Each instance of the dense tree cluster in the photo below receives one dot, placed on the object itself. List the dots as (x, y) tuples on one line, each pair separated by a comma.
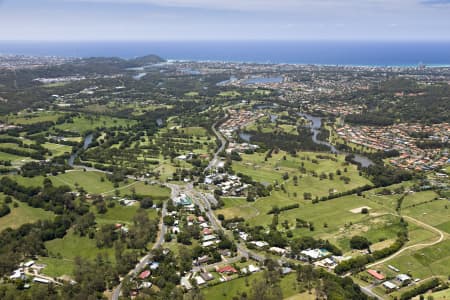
[(32, 169)]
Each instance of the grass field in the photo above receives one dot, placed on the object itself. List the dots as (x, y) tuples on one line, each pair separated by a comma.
[(423, 263), (436, 213), (15, 159), (57, 149), (122, 214), (274, 168), (417, 198), (93, 184), (154, 191), (198, 131), (83, 124), (231, 94), (191, 94), (56, 267), (237, 286), (340, 221), (32, 118), (23, 214), (90, 181), (445, 294), (63, 251), (28, 181)]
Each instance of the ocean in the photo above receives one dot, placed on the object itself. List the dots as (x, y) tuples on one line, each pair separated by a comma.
[(358, 53)]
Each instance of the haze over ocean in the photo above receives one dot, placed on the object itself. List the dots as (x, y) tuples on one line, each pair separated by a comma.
[(300, 52)]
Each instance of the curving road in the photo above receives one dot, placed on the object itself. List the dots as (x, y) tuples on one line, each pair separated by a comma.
[(440, 239), (223, 142)]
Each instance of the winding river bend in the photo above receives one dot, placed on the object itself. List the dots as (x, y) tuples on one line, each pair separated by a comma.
[(87, 142), (316, 124)]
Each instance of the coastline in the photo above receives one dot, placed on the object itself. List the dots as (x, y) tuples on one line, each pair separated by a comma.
[(319, 53)]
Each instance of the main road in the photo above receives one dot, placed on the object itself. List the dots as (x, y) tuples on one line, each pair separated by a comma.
[(201, 200), (223, 142)]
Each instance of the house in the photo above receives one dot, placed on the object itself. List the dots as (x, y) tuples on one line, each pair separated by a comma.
[(183, 200), (393, 268), (207, 276), (278, 250), (199, 280), (207, 231), (17, 274), (313, 254), (28, 264), (253, 269), (260, 244), (202, 260), (185, 283), (204, 225), (154, 265), (209, 243), (41, 280), (286, 270), (145, 285), (226, 270), (145, 274), (210, 237), (243, 235), (326, 263), (389, 286), (225, 252), (375, 274), (403, 279)]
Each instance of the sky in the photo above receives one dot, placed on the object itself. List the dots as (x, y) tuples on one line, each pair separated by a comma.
[(147, 20)]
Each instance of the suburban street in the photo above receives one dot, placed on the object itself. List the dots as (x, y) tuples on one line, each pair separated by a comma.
[(159, 241)]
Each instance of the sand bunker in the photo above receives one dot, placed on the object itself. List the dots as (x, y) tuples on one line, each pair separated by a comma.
[(359, 209)]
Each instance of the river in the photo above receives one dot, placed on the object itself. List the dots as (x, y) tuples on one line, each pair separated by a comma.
[(316, 124), (87, 142)]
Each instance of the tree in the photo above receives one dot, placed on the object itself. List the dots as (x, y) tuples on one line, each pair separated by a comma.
[(169, 220), (184, 258), (359, 242), (146, 202)]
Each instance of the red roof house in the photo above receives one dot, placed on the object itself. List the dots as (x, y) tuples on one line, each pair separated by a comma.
[(207, 231), (375, 274), (144, 274), (226, 270)]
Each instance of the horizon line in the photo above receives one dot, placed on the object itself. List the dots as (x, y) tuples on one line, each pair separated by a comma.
[(221, 40)]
